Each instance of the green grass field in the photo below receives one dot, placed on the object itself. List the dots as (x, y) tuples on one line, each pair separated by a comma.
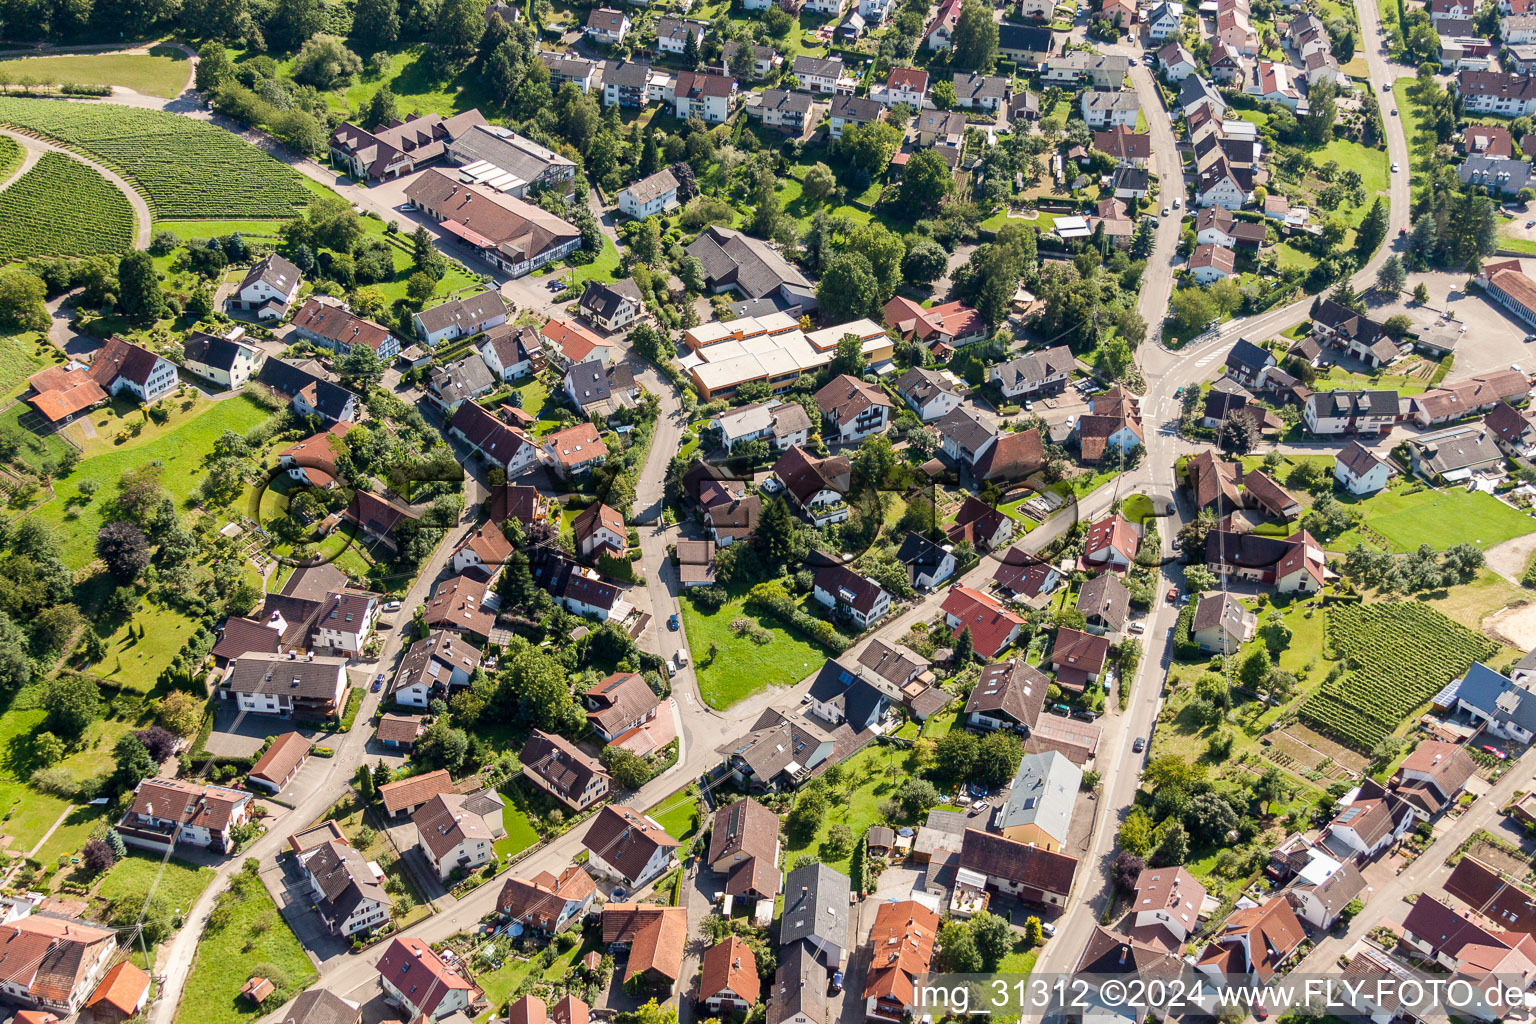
[(255, 940), (180, 452), (1374, 168), (159, 74), (678, 813), (740, 667), (604, 269), (136, 874), (1439, 518), (19, 358), (873, 775), (520, 832), (188, 230), (135, 662)]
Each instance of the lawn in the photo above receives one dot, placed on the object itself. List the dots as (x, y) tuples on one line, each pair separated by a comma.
[(180, 452), (188, 230), (678, 813), (741, 668), (499, 984), (136, 874), (520, 831), (1408, 515), (1372, 164), (604, 269), (254, 941), (135, 662), (1413, 121), (154, 74), (872, 776), (415, 87), (1288, 257), (78, 826), (1136, 508), (20, 358)]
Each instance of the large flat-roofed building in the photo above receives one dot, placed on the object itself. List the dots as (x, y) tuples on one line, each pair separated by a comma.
[(501, 159), (771, 348)]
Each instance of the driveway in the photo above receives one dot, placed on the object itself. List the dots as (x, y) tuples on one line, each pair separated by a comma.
[(237, 735)]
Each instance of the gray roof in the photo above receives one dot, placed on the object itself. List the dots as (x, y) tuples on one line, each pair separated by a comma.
[(979, 86), (1225, 610), (605, 299), (320, 1006), (1500, 174), (967, 429), (1044, 794), (860, 702), (1446, 451), (784, 99), (344, 876), (799, 986), (1106, 597), (509, 151), (590, 379), (732, 258), (275, 271), (462, 378), (433, 658), (1101, 99), (856, 108), (658, 184), (678, 28), (567, 66), (920, 385), (278, 673), (817, 66), (815, 906), (625, 74), (470, 312), (1498, 697), (1034, 368)]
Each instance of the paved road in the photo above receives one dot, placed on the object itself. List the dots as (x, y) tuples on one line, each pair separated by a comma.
[(1165, 371)]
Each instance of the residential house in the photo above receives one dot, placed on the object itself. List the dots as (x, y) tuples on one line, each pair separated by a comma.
[(799, 992), (399, 732), (1514, 430), (733, 260), (1129, 148), (930, 393), (1433, 776), (818, 488), (1162, 22), (941, 29), (852, 110), (1169, 898), (454, 837), (815, 915), (1294, 564), (1111, 543), (854, 409), (268, 289), (825, 75), (1038, 808), (1271, 82), (390, 151), (980, 92), (1256, 940), (506, 447), (555, 765), (464, 379), (655, 937), (1359, 471), (1215, 225), (952, 323), (568, 344), (624, 844), (512, 353), (1451, 402), (618, 704), (1221, 184), (1103, 108), (401, 799), (459, 318), (708, 97), (53, 964), (1078, 658), (310, 395), (728, 977), (1455, 943), (672, 34), (944, 129), (1111, 427), (784, 424), (226, 361), (1017, 869), (1035, 374), (993, 628), (287, 685), (1176, 62), (902, 86), (165, 812), (1350, 412), (744, 847), (793, 113), (1221, 623), (655, 193), (565, 67), (1494, 92), (546, 903), (1026, 44), (982, 526), (696, 562), (966, 436), (1504, 709), (1456, 455), (600, 530), (1246, 362), (902, 944), (763, 59), (124, 990), (417, 980), (1007, 695), (1371, 819), (347, 895), (838, 697), (1025, 576), (607, 26), (928, 563), (1105, 603), (850, 596), (625, 83), (575, 451)]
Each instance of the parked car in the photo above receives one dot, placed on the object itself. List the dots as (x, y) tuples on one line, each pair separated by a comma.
[(837, 982), (391, 606), (1173, 594), (1138, 627), (1489, 748), (1139, 745), (1084, 715), (1394, 167), (673, 623), (378, 682)]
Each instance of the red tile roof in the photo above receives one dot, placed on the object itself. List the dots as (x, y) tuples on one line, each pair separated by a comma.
[(990, 624), (730, 966)]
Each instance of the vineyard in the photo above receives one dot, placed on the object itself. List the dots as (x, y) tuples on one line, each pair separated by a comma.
[(62, 208), (186, 168), (1398, 656)]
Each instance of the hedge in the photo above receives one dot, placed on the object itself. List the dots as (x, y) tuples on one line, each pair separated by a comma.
[(774, 599), (1184, 645)]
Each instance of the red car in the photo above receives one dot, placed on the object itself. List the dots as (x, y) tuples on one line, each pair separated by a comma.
[(1495, 751), (1260, 1012), (1173, 594)]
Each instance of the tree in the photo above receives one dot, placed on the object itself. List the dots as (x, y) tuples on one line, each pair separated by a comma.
[(955, 756), (180, 712), (943, 96), (1172, 771), (1237, 435), (22, 300), (419, 287), (805, 817), (957, 949), (139, 295), (1373, 229), (1392, 275), (1034, 934), (97, 856), (1255, 668), (926, 180), (1210, 817), (160, 742), (819, 184), (361, 369), (776, 533), (293, 22), (1198, 579), (869, 147), (993, 938), (383, 110), (965, 647), (1173, 849), (848, 358), (1192, 308), (381, 773), (133, 761), (47, 749), (376, 25), (1128, 868), (691, 51), (925, 262), (1135, 833), (214, 67), (997, 758), (1421, 294), (325, 63), (124, 549), (628, 769), (917, 796), (848, 289), (974, 41), (459, 25), (1317, 123)]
